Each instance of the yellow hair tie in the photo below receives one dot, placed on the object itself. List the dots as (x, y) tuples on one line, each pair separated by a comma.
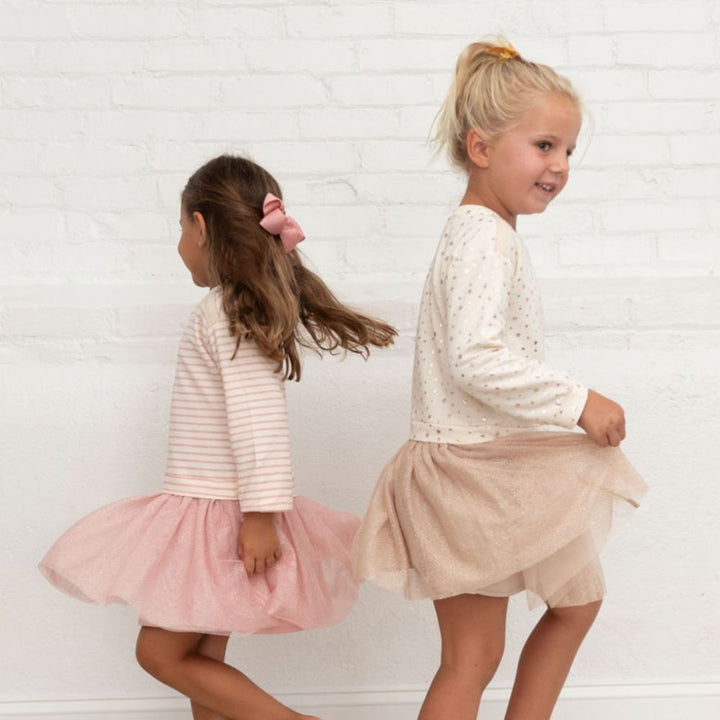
[(505, 52)]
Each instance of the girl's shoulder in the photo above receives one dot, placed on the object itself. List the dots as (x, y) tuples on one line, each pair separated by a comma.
[(209, 311), (210, 307), (477, 230), (208, 325)]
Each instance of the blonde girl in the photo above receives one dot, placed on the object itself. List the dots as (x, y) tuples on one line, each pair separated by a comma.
[(484, 501), (225, 546)]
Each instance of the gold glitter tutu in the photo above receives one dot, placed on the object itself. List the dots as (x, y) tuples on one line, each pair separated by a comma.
[(528, 511)]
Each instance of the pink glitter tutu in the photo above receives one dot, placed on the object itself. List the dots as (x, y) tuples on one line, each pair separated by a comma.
[(173, 558)]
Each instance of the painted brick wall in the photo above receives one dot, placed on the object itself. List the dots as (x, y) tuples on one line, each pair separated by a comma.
[(107, 106)]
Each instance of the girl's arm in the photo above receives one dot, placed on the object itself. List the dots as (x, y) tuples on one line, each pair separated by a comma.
[(480, 362), (257, 422), (258, 435)]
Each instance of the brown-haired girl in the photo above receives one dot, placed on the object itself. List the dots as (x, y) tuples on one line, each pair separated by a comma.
[(483, 502), (226, 547)]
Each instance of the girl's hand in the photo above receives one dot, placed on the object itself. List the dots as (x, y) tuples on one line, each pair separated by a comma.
[(258, 545), (603, 420)]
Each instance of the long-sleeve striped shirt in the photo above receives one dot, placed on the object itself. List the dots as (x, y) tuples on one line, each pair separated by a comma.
[(229, 435)]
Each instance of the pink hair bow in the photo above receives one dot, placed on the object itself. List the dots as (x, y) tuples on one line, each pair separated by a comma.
[(276, 222)]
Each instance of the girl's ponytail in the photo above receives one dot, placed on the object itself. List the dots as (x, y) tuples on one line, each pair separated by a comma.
[(332, 325)]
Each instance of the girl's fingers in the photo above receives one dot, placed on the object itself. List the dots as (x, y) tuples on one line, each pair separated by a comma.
[(258, 565), (255, 565), (273, 559), (599, 437)]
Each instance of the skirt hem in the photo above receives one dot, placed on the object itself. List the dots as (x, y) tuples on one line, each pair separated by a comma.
[(173, 559), (529, 511)]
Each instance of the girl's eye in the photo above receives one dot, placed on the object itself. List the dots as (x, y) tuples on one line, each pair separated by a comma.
[(544, 145)]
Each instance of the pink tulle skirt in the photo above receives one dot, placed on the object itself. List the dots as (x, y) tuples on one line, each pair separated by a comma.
[(525, 512), (174, 560)]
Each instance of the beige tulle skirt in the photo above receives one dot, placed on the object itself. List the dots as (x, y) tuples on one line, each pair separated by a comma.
[(529, 511)]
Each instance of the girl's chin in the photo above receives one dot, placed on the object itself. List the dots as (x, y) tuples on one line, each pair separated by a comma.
[(539, 204)]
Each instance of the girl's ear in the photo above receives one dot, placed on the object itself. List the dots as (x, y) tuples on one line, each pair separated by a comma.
[(477, 148), (201, 228)]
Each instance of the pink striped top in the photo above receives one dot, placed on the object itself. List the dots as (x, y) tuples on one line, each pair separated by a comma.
[(229, 435)]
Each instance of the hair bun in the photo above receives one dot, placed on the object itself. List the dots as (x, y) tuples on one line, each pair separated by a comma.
[(504, 52)]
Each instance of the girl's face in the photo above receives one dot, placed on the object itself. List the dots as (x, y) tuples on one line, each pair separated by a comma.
[(192, 247), (524, 168)]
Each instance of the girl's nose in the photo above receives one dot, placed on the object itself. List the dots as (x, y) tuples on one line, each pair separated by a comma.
[(559, 163)]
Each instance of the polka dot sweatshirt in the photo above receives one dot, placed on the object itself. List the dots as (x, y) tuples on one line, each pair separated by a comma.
[(479, 370)]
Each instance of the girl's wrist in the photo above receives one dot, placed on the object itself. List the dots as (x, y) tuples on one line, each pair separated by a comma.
[(260, 516)]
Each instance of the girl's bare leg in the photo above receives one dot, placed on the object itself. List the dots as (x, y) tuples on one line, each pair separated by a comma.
[(472, 630), (211, 646), (546, 659), (173, 658)]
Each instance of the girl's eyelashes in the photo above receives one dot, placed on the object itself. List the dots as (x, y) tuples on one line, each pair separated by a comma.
[(546, 146)]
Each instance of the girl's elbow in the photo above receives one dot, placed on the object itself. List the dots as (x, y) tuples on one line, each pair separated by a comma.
[(469, 372)]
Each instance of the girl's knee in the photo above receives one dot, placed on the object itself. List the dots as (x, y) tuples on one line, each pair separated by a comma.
[(153, 658), (147, 656), (476, 664), (492, 654), (491, 660)]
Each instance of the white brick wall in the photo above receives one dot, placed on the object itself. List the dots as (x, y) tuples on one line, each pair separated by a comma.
[(106, 106)]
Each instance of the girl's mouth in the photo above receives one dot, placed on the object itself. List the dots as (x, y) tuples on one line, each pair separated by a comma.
[(546, 188)]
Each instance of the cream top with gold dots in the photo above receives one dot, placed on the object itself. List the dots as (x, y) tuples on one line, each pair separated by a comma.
[(479, 370)]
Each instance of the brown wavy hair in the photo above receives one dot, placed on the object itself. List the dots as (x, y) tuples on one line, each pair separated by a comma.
[(269, 296)]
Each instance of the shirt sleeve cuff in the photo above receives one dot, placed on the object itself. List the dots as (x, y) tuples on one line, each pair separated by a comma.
[(574, 406), (268, 506)]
